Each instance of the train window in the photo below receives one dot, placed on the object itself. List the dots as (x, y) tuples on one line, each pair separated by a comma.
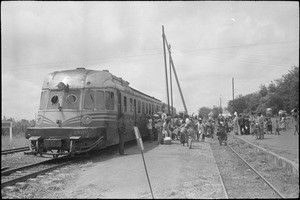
[(153, 109), (130, 102), (112, 100), (72, 100), (109, 100), (139, 106), (143, 107), (89, 99), (125, 104), (54, 99), (146, 108), (100, 102), (134, 105), (43, 101)]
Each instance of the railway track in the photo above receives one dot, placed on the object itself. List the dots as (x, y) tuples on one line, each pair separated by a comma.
[(21, 174), (16, 150), (239, 178)]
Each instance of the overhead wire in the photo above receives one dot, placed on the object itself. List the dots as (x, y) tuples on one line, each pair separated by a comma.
[(74, 62)]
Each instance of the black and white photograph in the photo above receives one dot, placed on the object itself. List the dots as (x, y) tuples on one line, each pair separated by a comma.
[(149, 99)]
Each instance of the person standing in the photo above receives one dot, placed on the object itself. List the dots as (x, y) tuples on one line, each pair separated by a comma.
[(122, 132), (199, 129), (149, 127), (158, 128), (164, 116), (296, 125), (183, 133), (166, 128), (260, 125), (252, 125), (241, 122), (247, 125), (277, 127), (269, 125), (235, 125)]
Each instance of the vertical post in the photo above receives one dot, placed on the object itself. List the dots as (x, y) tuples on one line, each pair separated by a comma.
[(10, 132), (147, 175), (163, 35), (233, 94), (179, 86), (140, 144), (169, 47)]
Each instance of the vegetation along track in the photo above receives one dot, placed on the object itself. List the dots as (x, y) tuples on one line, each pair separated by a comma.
[(243, 180), (21, 174), (16, 150)]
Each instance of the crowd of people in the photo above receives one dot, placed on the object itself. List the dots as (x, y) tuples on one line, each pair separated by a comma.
[(259, 125), (192, 128), (186, 129)]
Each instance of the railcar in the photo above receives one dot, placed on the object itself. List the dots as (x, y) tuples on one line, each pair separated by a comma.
[(80, 111)]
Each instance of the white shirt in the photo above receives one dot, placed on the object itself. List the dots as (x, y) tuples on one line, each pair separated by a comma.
[(149, 124), (163, 116), (187, 120)]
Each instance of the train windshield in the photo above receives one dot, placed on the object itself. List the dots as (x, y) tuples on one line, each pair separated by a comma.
[(43, 101), (64, 99)]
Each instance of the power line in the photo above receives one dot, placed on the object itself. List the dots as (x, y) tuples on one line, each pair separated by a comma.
[(74, 62)]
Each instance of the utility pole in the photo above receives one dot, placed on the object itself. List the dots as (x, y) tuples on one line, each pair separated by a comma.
[(171, 94), (166, 71), (233, 94), (173, 67), (179, 87)]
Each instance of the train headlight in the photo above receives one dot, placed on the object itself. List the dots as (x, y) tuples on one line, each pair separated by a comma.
[(86, 119)]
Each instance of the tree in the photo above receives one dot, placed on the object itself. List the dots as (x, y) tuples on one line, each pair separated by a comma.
[(263, 90), (216, 111), (203, 112), (271, 87)]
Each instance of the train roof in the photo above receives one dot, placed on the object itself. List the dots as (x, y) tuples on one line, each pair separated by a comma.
[(80, 78)]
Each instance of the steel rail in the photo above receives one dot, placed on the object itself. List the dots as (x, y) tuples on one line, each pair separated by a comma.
[(11, 151), (34, 174), (6, 173), (271, 186), (219, 173), (31, 175)]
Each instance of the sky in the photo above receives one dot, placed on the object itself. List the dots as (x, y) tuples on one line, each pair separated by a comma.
[(253, 42)]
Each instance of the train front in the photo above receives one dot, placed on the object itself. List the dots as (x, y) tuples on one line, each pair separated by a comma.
[(62, 127)]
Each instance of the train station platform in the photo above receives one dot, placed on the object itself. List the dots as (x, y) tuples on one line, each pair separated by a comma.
[(175, 171), (285, 145)]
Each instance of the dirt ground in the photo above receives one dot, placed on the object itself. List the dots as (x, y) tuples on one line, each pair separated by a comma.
[(174, 172), (125, 176), (286, 144)]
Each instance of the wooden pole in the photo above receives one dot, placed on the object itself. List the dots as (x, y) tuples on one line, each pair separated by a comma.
[(166, 70), (169, 48), (233, 94), (147, 175), (179, 86)]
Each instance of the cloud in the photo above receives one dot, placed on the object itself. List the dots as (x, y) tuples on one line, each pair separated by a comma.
[(211, 43), (19, 97)]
